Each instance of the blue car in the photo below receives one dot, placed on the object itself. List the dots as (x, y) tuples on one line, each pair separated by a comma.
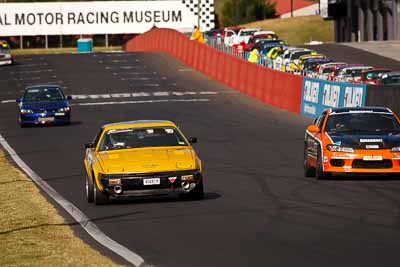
[(44, 104)]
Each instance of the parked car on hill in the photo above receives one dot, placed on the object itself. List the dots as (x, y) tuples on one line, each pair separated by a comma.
[(351, 74), (6, 57), (392, 78), (260, 37), (324, 70), (229, 35), (244, 35), (372, 76)]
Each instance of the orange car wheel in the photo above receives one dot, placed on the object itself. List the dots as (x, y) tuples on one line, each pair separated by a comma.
[(308, 170), (320, 170)]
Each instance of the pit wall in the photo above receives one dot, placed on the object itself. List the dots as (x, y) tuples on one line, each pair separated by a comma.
[(294, 93), (280, 89)]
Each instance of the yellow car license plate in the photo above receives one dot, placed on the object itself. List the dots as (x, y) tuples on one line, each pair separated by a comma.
[(151, 181)]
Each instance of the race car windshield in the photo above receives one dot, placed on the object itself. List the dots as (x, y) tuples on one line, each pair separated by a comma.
[(43, 94), (141, 137), (392, 80), (4, 50), (362, 122), (297, 55)]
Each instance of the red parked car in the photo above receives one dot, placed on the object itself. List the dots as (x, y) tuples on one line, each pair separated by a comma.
[(372, 76)]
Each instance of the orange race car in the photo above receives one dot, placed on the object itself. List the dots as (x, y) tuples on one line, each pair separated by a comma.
[(353, 140)]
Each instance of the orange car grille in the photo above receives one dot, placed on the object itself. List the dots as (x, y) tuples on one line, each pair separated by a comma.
[(367, 164)]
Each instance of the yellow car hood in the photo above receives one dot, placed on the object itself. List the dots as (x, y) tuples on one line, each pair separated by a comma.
[(144, 160)]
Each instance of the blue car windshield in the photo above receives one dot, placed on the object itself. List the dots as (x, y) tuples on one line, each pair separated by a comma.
[(43, 94)]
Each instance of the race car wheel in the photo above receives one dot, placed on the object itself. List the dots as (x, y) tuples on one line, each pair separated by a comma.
[(320, 174), (100, 198), (197, 192), (89, 190), (308, 170)]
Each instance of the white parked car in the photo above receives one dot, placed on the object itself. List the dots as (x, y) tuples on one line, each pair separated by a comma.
[(6, 57), (293, 57), (325, 69), (350, 74), (244, 35), (229, 35)]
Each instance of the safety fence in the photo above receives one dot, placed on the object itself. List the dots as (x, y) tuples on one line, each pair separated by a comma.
[(276, 88), (294, 93)]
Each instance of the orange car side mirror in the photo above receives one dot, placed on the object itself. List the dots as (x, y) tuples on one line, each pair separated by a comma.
[(313, 129)]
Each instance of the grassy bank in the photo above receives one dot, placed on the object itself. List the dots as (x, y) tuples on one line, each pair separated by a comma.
[(33, 51), (298, 30), (32, 233)]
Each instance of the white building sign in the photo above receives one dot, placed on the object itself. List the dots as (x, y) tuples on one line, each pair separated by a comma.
[(111, 17)]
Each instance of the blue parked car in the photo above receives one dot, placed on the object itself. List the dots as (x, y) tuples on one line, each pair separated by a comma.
[(44, 104)]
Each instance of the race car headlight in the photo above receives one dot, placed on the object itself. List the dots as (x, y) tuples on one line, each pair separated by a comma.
[(66, 109), (26, 111), (336, 148), (7, 56), (395, 149)]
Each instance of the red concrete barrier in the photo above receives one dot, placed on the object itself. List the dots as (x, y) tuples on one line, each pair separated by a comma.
[(272, 87)]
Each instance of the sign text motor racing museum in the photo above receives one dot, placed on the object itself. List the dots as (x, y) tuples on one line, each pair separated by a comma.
[(103, 17)]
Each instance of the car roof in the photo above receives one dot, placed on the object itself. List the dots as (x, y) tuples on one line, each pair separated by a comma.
[(397, 73), (357, 68), (42, 86), (264, 32), (139, 124), (360, 110), (332, 64)]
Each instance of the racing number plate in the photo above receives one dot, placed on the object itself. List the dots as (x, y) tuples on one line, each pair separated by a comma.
[(151, 181), (46, 119), (373, 158)]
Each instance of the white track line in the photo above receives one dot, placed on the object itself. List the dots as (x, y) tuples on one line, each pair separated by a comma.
[(129, 95), (77, 214), (156, 101)]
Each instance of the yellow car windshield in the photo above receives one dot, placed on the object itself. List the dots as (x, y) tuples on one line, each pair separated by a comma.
[(141, 137)]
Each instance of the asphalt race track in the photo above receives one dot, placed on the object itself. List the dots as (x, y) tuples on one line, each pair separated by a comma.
[(259, 210)]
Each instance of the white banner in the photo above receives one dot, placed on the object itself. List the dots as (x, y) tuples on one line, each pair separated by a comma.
[(111, 17)]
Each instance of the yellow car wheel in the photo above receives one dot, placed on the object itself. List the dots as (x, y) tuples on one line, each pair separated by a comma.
[(197, 192), (89, 190), (100, 198)]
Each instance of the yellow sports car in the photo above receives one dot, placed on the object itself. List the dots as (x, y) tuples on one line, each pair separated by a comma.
[(141, 158)]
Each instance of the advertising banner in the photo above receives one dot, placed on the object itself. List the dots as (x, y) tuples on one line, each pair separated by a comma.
[(318, 95), (101, 17)]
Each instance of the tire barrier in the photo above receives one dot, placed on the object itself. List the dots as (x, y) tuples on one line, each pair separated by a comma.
[(280, 89)]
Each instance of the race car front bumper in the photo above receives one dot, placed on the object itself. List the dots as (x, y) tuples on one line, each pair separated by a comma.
[(45, 118), (150, 184), (362, 161), (6, 62)]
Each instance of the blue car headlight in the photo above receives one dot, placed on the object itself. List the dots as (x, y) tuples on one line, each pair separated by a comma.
[(66, 109), (26, 111), (336, 148)]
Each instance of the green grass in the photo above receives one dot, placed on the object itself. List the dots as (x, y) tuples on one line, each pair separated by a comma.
[(298, 30), (32, 232), (32, 51)]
